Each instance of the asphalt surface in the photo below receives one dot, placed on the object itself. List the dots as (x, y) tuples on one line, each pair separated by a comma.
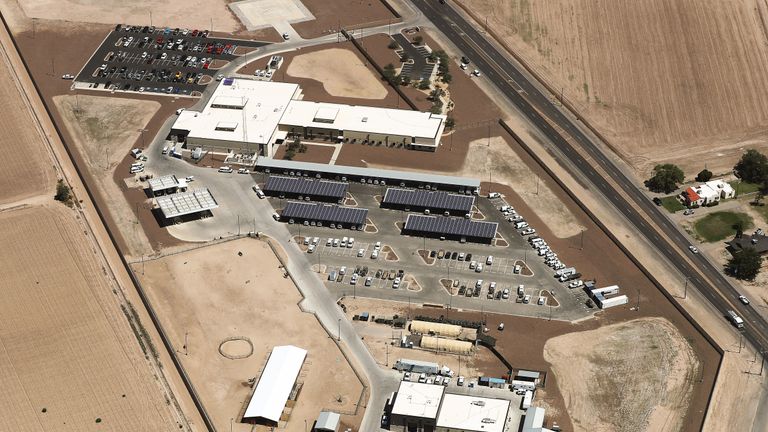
[(149, 61), (511, 81)]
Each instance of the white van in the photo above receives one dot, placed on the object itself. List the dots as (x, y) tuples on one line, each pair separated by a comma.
[(521, 224)]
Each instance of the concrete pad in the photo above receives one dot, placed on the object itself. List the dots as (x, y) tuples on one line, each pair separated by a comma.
[(257, 14)]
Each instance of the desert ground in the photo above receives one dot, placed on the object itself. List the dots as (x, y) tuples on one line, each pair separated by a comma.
[(26, 169), (662, 80), (345, 76), (329, 15), (497, 157), (104, 130), (632, 376), (192, 14), (209, 294), (69, 356)]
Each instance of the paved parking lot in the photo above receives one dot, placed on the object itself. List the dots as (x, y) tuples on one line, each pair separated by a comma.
[(569, 304), (157, 60)]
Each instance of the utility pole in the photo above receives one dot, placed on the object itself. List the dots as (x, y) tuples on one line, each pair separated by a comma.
[(186, 346), (740, 336), (386, 346), (339, 333), (150, 17), (762, 362), (582, 239), (238, 225), (685, 292)]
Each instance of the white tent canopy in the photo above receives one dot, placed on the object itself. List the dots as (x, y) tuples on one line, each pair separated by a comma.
[(276, 383)]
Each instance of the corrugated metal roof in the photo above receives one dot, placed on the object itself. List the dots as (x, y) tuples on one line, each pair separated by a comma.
[(367, 172), (181, 204), (303, 186), (276, 383), (437, 200), (163, 183), (450, 226), (325, 212)]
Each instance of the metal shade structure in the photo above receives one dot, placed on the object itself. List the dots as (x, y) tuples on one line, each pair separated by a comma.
[(435, 201), (450, 227), (182, 204), (322, 190), (324, 213)]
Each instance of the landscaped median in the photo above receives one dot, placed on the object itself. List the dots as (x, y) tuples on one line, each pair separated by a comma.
[(721, 225)]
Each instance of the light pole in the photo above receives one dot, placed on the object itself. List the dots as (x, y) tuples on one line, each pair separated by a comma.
[(339, 333), (685, 288), (143, 143)]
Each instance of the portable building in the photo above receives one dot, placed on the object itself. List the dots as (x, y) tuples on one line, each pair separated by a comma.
[(446, 345), (417, 366), (439, 329)]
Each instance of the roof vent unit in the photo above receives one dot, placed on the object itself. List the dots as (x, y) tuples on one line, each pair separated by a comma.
[(365, 119), (478, 403)]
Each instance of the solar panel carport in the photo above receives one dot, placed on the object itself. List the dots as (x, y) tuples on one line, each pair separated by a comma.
[(324, 214), (450, 227), (434, 201), (301, 188)]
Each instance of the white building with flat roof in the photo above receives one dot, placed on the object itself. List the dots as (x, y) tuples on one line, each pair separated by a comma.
[(250, 116), (464, 413), (241, 115), (416, 405)]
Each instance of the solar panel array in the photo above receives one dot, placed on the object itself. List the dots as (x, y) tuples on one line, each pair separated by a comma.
[(181, 204), (450, 226), (163, 183), (302, 186), (437, 200), (330, 213)]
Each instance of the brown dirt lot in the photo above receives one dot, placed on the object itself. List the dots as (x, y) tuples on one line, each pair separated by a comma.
[(189, 13), (248, 300), (349, 14), (314, 153), (632, 376), (69, 355), (345, 76), (26, 169), (663, 80)]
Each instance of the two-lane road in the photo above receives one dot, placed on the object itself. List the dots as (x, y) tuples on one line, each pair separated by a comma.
[(535, 105)]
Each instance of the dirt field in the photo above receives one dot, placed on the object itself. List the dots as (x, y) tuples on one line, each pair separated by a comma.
[(661, 79), (26, 168), (329, 15), (190, 14), (632, 376), (509, 169), (69, 356), (315, 153), (104, 130), (251, 301), (345, 76)]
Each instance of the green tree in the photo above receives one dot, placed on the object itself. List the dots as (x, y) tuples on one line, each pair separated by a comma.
[(404, 79), (389, 73), (665, 178), (704, 176), (447, 78), (745, 264), (424, 84), (63, 193), (405, 57), (393, 45), (450, 122), (418, 39), (752, 167)]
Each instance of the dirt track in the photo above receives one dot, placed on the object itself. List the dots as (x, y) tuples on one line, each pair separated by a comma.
[(662, 79)]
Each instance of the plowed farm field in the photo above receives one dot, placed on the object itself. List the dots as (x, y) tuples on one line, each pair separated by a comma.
[(69, 360), (662, 80), (26, 169)]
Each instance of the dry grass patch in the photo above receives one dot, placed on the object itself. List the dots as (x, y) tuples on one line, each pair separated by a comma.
[(632, 376)]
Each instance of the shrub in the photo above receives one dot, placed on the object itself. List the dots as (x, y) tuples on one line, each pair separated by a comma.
[(393, 45), (63, 192), (704, 176)]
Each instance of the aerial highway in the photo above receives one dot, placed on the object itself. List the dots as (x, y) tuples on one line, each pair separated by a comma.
[(535, 105)]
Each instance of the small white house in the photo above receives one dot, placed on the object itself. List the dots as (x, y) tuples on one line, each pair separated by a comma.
[(707, 193)]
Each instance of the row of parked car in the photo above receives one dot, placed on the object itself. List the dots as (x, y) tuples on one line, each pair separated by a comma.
[(562, 273)]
